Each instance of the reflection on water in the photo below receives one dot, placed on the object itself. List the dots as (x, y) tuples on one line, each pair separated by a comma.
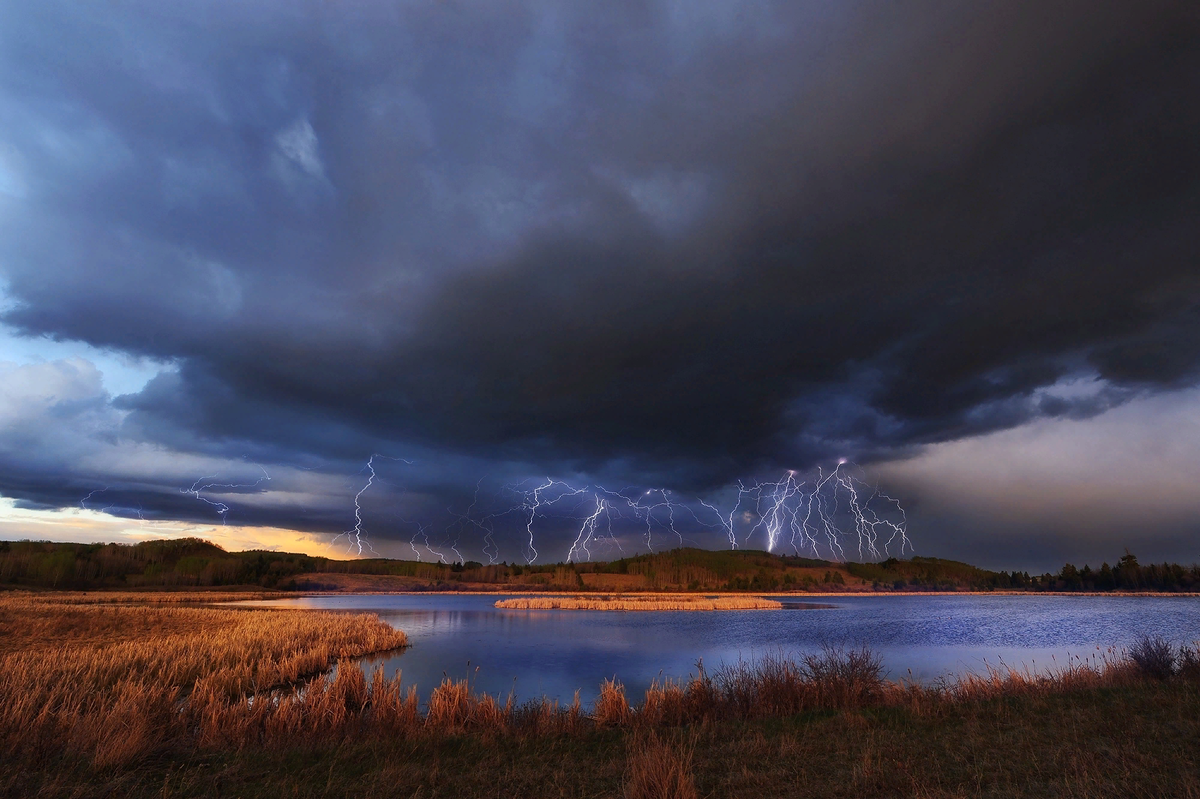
[(555, 652)]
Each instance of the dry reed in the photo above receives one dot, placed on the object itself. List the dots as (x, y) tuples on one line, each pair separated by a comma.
[(659, 769), (677, 602), (612, 708), (108, 680), (141, 597)]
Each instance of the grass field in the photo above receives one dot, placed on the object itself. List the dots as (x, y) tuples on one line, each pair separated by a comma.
[(116, 698)]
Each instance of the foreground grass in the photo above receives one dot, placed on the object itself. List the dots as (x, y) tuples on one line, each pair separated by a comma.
[(1137, 740), (639, 602), (115, 682)]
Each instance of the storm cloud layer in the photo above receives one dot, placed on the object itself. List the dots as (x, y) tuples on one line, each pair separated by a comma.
[(666, 244)]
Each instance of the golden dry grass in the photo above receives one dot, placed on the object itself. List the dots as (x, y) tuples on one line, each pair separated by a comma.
[(659, 768), (193, 597), (652, 602), (110, 680)]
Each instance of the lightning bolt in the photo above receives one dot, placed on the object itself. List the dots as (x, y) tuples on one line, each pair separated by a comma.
[(778, 512), (356, 538), (646, 512), (785, 507), (197, 488), (83, 502), (818, 514), (586, 531), (535, 505), (654, 508), (490, 550), (422, 532)]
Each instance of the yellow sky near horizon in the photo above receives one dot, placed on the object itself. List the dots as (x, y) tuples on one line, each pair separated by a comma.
[(91, 526)]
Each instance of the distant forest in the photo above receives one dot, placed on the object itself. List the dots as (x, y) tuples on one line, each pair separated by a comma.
[(194, 563)]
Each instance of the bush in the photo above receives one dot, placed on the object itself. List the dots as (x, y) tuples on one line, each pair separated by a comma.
[(1154, 656), (845, 678), (1189, 663)]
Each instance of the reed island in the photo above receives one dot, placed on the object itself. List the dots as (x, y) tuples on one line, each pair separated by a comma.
[(642, 602)]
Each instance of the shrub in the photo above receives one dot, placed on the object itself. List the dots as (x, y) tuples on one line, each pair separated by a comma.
[(1189, 663), (845, 678), (1154, 656)]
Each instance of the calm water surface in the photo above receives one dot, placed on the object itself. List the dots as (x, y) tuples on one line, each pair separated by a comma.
[(554, 652)]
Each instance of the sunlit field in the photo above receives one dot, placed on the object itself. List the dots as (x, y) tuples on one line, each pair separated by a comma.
[(117, 680)]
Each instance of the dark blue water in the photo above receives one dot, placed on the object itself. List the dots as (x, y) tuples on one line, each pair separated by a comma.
[(555, 652)]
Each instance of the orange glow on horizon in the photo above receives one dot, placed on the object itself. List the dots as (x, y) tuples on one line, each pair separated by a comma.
[(89, 526)]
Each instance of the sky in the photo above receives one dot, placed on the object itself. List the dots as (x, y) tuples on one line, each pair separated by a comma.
[(529, 281)]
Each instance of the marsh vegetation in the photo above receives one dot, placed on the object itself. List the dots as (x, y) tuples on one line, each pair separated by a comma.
[(638, 602), (112, 681)]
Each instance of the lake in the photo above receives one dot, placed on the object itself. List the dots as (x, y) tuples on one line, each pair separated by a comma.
[(555, 652)]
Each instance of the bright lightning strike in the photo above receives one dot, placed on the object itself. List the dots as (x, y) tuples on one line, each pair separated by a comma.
[(823, 514), (83, 502), (356, 538), (422, 532), (814, 515), (596, 508), (201, 485)]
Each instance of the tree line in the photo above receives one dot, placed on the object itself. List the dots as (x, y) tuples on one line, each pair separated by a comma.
[(191, 562)]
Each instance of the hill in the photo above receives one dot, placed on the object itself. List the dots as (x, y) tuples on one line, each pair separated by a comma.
[(192, 563)]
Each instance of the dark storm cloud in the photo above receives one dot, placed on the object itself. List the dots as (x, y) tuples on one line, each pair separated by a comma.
[(680, 242)]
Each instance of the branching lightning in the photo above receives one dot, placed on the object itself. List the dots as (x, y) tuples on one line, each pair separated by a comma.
[(484, 525), (587, 531), (816, 515), (83, 502), (422, 532), (356, 538), (596, 509), (201, 485), (822, 514)]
